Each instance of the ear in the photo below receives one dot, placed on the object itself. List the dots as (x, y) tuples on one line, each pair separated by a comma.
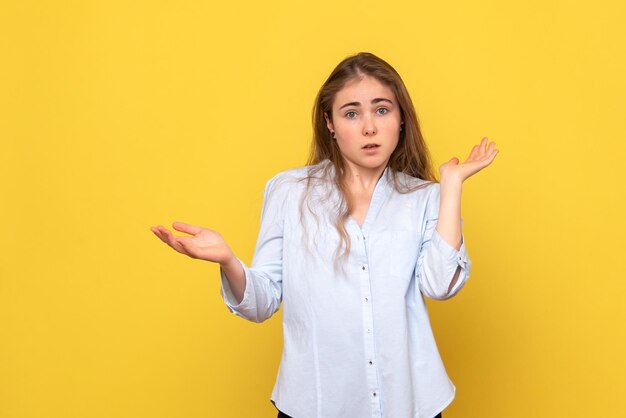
[(329, 123)]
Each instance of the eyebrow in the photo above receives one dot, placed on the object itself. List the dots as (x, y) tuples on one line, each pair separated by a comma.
[(374, 101)]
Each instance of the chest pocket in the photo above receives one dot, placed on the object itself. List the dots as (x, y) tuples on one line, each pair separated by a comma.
[(312, 239), (394, 252)]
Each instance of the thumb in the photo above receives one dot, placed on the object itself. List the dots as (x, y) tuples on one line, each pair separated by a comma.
[(453, 161), (189, 229)]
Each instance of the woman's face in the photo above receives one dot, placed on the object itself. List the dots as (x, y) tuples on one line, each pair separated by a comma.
[(366, 120)]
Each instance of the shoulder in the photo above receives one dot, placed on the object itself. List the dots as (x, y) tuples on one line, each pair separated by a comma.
[(286, 181), (289, 176), (295, 178), (406, 184), (288, 184), (285, 189)]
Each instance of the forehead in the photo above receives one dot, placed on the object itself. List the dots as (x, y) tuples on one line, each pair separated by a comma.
[(363, 90)]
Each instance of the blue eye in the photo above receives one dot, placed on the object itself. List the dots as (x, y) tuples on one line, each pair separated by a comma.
[(351, 115), (382, 110)]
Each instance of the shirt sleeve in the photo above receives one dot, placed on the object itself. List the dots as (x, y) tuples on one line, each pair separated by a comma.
[(263, 292), (438, 261)]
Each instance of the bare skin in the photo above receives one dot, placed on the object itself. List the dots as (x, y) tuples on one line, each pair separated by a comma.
[(206, 244), (452, 175)]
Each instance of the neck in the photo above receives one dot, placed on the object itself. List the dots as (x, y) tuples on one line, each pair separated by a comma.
[(359, 179)]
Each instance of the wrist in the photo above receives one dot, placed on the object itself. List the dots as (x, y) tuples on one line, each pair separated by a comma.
[(453, 183), (229, 262)]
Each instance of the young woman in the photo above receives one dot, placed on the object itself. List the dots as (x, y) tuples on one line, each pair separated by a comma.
[(351, 244)]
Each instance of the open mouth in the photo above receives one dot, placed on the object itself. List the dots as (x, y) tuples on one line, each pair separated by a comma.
[(370, 146)]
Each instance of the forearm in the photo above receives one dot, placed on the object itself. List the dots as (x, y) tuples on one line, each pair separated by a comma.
[(453, 175), (449, 221), (233, 270)]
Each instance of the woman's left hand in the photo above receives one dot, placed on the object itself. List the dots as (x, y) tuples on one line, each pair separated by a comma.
[(481, 156)]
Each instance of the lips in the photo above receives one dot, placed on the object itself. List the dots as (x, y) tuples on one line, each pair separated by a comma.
[(370, 146)]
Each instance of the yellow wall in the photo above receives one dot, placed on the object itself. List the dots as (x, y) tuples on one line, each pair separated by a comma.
[(117, 115)]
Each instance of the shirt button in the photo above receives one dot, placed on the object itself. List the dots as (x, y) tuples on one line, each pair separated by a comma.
[(366, 299), (374, 394), (371, 362), (363, 268)]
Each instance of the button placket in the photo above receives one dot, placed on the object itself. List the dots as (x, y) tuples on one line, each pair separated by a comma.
[(368, 321), (360, 268)]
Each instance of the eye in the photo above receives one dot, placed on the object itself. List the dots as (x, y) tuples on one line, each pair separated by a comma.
[(382, 110), (351, 114)]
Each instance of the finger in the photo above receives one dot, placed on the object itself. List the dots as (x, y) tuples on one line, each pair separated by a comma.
[(187, 246), (161, 233), (492, 156), (488, 159), (483, 147), (158, 233), (167, 240), (473, 154), (187, 228), (171, 240), (490, 151)]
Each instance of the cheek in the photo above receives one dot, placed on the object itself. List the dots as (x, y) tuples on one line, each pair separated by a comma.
[(346, 134), (394, 143), (344, 146), (345, 129)]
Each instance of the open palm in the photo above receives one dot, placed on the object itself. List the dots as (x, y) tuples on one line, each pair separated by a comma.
[(203, 243), (480, 157)]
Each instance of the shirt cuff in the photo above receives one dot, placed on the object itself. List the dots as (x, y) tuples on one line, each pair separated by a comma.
[(229, 297), (450, 253)]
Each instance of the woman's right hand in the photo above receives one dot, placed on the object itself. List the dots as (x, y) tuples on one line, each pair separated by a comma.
[(203, 243)]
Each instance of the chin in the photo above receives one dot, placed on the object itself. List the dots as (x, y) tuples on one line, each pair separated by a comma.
[(375, 164), (369, 163)]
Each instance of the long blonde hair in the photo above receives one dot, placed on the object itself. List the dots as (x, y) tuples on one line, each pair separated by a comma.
[(411, 155)]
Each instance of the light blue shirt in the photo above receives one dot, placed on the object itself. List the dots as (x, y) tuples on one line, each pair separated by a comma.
[(357, 338)]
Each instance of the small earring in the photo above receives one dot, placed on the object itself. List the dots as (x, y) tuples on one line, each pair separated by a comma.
[(332, 133)]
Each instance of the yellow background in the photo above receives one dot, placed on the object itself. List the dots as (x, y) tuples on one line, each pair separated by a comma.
[(117, 115)]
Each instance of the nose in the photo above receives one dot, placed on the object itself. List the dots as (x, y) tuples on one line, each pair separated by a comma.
[(369, 128)]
